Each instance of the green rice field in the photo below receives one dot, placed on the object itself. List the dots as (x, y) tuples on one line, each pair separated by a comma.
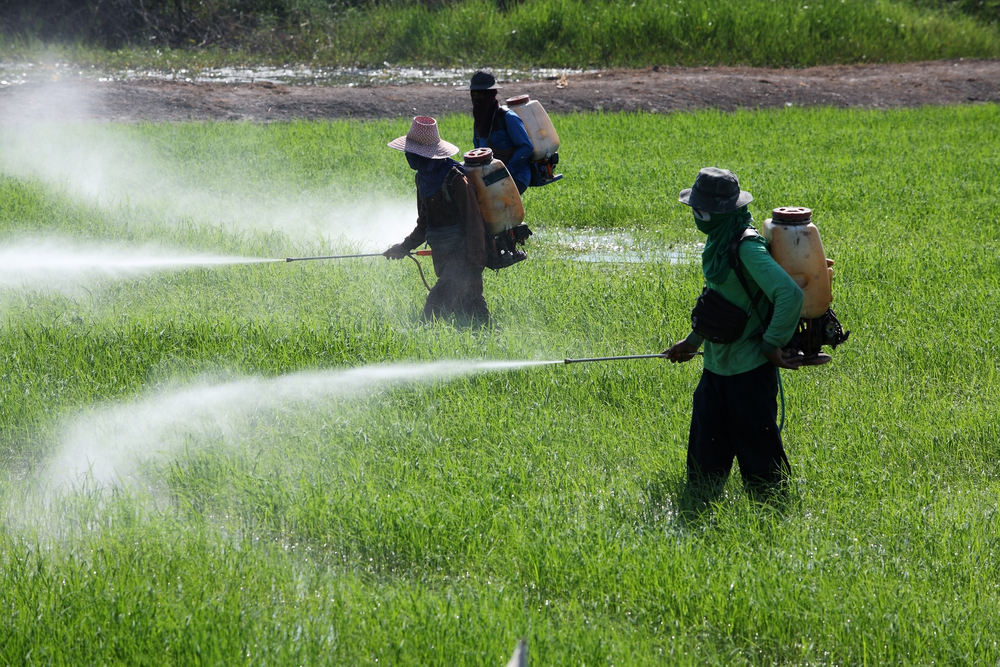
[(195, 471)]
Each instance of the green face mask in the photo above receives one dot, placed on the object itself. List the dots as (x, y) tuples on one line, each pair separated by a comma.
[(704, 221), (721, 228)]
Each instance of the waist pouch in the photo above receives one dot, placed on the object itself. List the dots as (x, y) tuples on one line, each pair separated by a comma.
[(445, 239), (719, 320)]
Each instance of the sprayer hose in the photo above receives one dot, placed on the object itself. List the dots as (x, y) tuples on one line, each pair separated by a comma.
[(420, 269)]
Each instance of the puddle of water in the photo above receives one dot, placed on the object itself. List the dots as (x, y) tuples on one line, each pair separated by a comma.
[(15, 74), (340, 76), (605, 247), (20, 73), (633, 257)]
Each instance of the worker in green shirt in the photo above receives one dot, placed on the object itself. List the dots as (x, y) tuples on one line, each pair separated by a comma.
[(735, 405)]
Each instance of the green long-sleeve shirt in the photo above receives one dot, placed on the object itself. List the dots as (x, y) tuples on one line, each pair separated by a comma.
[(761, 271)]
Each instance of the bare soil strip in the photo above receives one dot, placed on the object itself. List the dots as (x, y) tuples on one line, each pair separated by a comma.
[(657, 90)]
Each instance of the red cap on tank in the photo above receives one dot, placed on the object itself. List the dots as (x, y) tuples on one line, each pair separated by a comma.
[(479, 156), (517, 101), (791, 214)]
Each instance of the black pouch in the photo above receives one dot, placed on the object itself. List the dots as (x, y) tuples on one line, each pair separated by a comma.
[(717, 319)]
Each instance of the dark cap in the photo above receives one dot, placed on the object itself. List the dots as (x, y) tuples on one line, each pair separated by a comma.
[(483, 79), (716, 191)]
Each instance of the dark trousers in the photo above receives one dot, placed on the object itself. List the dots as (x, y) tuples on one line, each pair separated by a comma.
[(734, 416), (458, 291)]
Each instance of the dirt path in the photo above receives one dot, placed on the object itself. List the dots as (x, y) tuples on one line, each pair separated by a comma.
[(655, 90)]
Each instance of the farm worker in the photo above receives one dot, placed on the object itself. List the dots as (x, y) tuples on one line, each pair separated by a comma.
[(499, 128), (735, 404), (448, 220)]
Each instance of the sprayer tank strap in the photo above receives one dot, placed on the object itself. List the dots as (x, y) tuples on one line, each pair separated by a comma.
[(499, 121), (737, 267), (499, 124), (449, 184)]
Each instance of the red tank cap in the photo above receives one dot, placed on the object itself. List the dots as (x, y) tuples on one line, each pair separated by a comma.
[(791, 214), (479, 156), (518, 101)]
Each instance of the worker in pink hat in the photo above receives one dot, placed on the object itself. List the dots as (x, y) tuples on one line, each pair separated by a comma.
[(448, 220)]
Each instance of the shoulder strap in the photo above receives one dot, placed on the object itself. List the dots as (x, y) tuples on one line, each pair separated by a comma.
[(737, 266), (449, 180), (500, 119)]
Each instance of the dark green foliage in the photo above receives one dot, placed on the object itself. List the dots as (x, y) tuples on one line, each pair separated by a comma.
[(552, 33), (985, 10), (113, 23)]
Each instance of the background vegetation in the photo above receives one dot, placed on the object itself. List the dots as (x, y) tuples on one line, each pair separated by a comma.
[(437, 525), (552, 33)]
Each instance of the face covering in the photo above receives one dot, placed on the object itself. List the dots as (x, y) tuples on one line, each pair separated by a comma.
[(721, 229), (483, 110), (414, 160), (430, 173)]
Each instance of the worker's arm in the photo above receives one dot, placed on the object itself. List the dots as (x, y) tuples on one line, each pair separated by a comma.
[(684, 350), (416, 237), (781, 290)]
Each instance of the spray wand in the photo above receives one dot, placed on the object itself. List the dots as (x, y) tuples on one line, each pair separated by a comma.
[(418, 253), (627, 356)]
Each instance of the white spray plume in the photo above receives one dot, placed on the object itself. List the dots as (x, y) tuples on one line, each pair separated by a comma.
[(100, 165), (61, 265), (107, 445)]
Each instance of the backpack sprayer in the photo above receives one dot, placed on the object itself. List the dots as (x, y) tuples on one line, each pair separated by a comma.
[(797, 248), (544, 140), (501, 207)]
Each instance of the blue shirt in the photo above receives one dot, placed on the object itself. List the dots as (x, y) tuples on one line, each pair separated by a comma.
[(515, 138)]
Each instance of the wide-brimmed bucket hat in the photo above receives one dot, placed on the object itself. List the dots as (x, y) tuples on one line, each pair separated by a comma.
[(715, 191), (483, 79), (424, 139)]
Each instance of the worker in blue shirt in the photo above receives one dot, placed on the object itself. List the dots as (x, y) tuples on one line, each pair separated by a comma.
[(499, 129)]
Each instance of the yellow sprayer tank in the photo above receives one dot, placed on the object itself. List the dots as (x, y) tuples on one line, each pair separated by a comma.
[(540, 129), (499, 200), (796, 247)]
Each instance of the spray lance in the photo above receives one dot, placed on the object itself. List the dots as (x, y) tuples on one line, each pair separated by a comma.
[(622, 357), (412, 255)]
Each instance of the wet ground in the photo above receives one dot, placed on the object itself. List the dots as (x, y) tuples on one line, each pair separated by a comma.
[(617, 247), (279, 94), (19, 73)]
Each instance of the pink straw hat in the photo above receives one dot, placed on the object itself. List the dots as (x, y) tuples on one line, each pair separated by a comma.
[(424, 139)]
